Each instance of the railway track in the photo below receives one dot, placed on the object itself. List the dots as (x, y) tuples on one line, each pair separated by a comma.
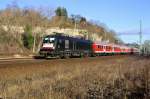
[(14, 59), (7, 62)]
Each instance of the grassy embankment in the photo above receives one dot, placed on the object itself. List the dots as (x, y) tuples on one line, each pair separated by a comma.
[(94, 78)]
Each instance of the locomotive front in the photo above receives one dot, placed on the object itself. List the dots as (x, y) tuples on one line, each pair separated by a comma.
[(48, 46)]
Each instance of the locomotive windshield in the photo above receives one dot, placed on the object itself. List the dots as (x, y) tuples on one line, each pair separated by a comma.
[(48, 40)]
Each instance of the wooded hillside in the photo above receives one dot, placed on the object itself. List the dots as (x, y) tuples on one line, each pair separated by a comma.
[(13, 15)]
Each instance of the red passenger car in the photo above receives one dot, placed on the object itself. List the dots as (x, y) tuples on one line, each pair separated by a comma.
[(100, 48)]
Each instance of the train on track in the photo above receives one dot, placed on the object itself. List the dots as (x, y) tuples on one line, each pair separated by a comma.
[(62, 46)]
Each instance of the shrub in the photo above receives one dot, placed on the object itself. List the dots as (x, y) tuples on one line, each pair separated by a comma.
[(28, 38)]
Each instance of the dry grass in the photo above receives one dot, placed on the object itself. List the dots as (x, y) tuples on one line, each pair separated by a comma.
[(90, 78)]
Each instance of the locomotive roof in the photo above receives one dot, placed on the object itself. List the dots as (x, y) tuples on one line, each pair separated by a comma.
[(68, 37)]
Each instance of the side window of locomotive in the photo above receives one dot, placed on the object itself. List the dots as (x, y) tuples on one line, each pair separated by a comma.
[(60, 41), (74, 45), (66, 44), (59, 44)]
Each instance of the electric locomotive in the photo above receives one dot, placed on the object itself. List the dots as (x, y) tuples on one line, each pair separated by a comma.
[(62, 46)]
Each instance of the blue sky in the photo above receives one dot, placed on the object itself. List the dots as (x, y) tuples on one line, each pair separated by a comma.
[(120, 15)]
